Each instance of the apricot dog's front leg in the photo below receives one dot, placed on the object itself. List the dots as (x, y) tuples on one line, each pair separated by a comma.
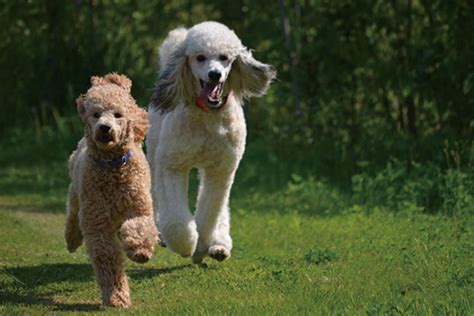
[(139, 236), (72, 232)]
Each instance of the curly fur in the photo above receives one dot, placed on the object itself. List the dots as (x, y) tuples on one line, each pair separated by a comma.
[(183, 137), (109, 207)]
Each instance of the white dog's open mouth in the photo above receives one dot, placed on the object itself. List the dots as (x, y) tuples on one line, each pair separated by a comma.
[(210, 95)]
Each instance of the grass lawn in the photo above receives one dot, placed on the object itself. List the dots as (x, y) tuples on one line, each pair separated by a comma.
[(283, 262)]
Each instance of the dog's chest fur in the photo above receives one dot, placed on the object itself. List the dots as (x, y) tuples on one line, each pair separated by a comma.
[(190, 138), (112, 188)]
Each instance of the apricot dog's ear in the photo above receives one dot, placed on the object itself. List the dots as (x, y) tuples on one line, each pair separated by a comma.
[(81, 109), (140, 125)]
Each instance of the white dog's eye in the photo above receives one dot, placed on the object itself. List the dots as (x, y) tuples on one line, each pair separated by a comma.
[(96, 114), (117, 115), (223, 57), (200, 58)]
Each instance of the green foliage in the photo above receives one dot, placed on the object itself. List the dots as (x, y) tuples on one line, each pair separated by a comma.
[(359, 82), (404, 186), (310, 197), (50, 50), (42, 143)]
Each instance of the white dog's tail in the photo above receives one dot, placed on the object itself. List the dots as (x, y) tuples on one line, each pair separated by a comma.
[(173, 39)]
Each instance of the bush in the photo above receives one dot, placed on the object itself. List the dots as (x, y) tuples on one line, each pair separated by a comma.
[(401, 186), (41, 143), (307, 196)]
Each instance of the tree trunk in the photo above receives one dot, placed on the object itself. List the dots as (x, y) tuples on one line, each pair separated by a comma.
[(285, 25), (411, 115)]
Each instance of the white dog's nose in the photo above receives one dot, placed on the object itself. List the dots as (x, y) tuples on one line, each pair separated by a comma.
[(214, 75)]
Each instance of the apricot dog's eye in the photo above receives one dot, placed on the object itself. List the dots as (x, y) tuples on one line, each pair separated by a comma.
[(117, 115), (201, 58), (97, 114), (223, 57)]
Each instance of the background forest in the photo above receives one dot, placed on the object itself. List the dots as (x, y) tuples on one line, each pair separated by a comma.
[(360, 84), (363, 149)]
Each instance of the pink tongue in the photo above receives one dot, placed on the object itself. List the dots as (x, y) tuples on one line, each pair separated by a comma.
[(215, 92), (209, 90), (205, 92)]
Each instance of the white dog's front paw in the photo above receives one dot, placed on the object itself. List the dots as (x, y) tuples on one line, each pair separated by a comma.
[(219, 252), (200, 253), (180, 238), (161, 241)]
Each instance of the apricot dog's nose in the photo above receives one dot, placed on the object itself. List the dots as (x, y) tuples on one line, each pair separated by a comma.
[(104, 128)]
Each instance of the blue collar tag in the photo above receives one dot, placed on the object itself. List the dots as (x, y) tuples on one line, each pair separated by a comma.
[(115, 163)]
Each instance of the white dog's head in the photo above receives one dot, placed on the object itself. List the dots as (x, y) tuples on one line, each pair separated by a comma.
[(205, 66)]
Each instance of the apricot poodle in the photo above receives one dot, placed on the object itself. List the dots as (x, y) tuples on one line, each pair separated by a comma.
[(109, 203)]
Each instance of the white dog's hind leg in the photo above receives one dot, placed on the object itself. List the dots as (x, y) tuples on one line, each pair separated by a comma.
[(212, 217), (175, 222), (151, 142)]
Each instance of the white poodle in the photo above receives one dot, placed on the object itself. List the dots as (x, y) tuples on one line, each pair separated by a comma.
[(197, 121)]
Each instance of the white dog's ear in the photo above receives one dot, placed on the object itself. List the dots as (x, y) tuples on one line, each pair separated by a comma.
[(249, 77), (176, 82)]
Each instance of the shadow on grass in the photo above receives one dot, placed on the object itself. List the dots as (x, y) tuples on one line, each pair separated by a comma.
[(18, 298), (15, 298), (140, 274), (30, 285), (77, 307), (44, 274), (31, 208)]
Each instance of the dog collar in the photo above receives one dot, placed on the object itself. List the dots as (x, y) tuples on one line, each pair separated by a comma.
[(115, 163), (203, 107)]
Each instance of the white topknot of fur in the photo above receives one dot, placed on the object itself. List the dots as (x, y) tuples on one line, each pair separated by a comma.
[(174, 38), (213, 38)]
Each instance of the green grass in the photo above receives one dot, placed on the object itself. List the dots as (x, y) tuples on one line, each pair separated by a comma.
[(303, 250), (398, 241)]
